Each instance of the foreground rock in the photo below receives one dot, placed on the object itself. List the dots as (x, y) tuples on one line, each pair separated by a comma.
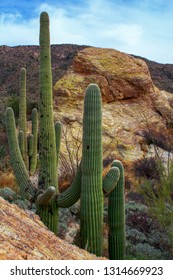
[(23, 236)]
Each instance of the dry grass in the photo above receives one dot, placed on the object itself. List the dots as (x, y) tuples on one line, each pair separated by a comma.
[(8, 180)]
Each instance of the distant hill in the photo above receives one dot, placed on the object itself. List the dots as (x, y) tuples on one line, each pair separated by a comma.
[(13, 58), (161, 74)]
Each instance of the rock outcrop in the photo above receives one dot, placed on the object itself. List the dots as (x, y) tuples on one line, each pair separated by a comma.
[(119, 75), (24, 237), (133, 106)]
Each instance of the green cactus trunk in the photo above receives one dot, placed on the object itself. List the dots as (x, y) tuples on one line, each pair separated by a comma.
[(116, 217), (33, 157), (22, 112), (91, 191), (47, 152)]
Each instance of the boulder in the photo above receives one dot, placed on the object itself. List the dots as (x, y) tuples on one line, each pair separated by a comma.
[(133, 106), (24, 237)]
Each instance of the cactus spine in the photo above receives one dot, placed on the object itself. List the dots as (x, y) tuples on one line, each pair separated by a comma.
[(91, 189), (116, 217)]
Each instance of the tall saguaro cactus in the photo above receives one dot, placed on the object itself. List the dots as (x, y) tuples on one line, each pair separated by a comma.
[(22, 112), (47, 141), (91, 189)]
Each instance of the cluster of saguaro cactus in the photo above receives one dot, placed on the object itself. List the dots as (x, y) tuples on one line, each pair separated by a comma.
[(88, 184)]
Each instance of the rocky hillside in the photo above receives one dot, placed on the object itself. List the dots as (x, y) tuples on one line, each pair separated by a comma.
[(136, 113), (31, 240), (13, 58)]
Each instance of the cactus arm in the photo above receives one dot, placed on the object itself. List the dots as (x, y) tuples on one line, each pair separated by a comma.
[(116, 217), (30, 140), (72, 194), (110, 180), (91, 209), (46, 196), (26, 187), (33, 158), (21, 143)]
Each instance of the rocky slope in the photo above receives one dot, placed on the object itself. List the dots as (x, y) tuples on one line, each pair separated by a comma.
[(30, 239), (136, 113)]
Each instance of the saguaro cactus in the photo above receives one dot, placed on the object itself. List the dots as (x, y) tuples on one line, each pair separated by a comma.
[(91, 190), (116, 217), (21, 173), (22, 112), (47, 141)]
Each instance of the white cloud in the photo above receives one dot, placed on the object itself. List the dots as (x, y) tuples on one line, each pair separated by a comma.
[(125, 33), (139, 30)]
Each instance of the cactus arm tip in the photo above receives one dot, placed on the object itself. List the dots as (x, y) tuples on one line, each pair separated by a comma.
[(110, 180), (45, 197)]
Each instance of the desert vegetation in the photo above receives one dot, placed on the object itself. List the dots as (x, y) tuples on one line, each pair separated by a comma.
[(92, 203)]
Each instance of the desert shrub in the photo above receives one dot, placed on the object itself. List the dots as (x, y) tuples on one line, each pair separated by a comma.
[(146, 237), (4, 158), (157, 191), (31, 104), (13, 102), (158, 139), (70, 157), (158, 197), (8, 194), (147, 168), (7, 178)]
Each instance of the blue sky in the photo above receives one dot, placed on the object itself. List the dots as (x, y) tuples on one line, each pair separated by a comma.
[(137, 27)]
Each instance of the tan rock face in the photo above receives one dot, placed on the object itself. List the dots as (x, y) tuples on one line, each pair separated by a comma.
[(119, 75), (24, 236), (132, 105)]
